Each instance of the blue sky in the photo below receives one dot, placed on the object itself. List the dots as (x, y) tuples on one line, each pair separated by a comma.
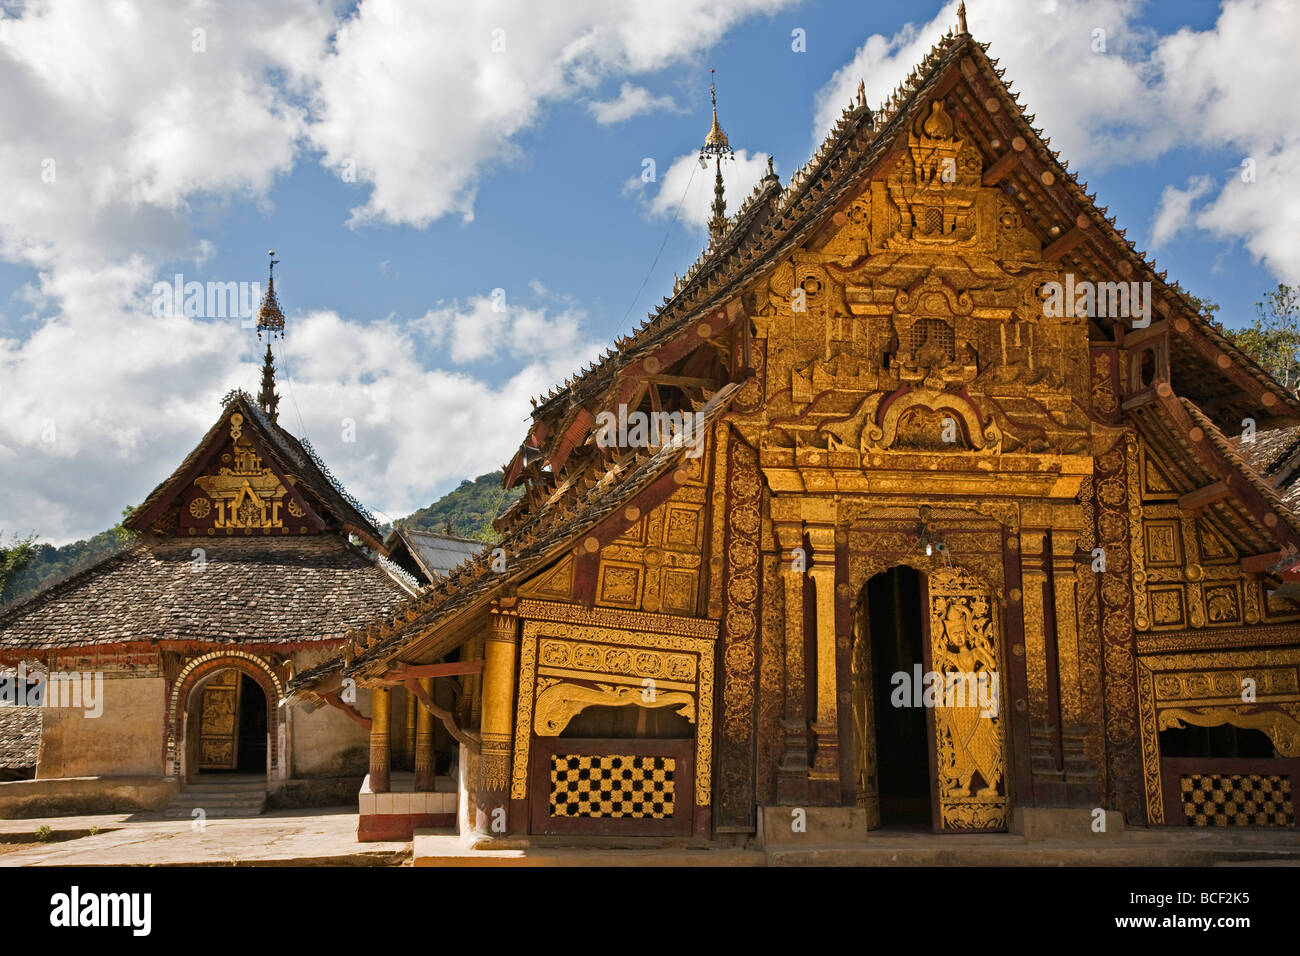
[(481, 169)]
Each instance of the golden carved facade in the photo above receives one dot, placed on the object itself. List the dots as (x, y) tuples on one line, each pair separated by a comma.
[(655, 565), (971, 749), (912, 403)]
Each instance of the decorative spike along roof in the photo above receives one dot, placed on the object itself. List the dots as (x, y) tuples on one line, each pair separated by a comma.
[(858, 140), (770, 226), (550, 533)]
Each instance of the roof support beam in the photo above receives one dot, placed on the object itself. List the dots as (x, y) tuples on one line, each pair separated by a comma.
[(1260, 563), (333, 700), (1137, 337), (420, 694), (404, 672), (1204, 496), (1203, 345), (1215, 463), (1003, 165), (1064, 244)]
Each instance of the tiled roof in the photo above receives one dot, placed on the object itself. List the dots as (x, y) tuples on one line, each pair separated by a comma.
[(249, 591), (437, 554), (20, 736)]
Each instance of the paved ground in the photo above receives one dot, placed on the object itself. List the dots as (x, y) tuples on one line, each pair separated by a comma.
[(280, 838), (328, 838)]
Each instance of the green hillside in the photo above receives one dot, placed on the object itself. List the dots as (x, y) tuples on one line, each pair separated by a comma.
[(466, 511)]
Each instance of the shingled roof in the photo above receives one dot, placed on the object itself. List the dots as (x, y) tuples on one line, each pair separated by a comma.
[(433, 554), (246, 591), (20, 737)]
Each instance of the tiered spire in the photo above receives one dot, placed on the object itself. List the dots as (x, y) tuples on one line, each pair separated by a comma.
[(717, 146), (271, 321)]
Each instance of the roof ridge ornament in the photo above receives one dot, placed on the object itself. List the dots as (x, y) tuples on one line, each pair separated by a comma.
[(717, 146), (961, 18), (271, 320)]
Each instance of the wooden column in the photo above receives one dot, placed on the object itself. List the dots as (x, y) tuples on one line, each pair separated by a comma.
[(499, 653), (408, 738), (826, 725), (381, 710), (424, 756), (792, 771)]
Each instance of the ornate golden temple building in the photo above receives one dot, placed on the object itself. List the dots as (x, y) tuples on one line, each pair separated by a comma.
[(930, 422)]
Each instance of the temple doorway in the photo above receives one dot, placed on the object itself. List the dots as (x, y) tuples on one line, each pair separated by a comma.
[(229, 711), (894, 741)]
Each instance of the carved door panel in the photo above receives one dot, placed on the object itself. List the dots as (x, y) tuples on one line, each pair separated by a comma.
[(219, 723), (969, 759)]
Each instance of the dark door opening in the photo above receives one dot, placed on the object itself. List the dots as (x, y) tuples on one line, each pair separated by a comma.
[(252, 727), (901, 733)]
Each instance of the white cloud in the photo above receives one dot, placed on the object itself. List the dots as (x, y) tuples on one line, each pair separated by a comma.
[(148, 134), (415, 427), (686, 186), (1174, 211), (490, 325), (631, 101), (424, 97), (1222, 89)]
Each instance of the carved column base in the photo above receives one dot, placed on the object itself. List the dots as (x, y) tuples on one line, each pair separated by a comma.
[(827, 764)]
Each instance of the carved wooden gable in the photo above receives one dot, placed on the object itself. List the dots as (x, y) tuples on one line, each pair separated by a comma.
[(918, 322)]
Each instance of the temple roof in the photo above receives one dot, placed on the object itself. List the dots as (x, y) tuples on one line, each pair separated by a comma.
[(552, 533), (1206, 366), (249, 591), (1211, 381), (436, 555)]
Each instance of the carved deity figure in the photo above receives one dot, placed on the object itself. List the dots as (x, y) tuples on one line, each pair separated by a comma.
[(973, 729)]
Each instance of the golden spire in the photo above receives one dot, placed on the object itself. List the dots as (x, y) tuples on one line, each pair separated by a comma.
[(717, 146), (269, 317), (271, 320), (961, 17)]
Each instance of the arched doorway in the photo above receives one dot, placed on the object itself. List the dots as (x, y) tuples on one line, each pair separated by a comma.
[(927, 689), (226, 721), (242, 695)]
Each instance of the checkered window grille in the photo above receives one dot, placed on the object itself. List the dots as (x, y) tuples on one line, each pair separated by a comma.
[(615, 786), (1237, 800)]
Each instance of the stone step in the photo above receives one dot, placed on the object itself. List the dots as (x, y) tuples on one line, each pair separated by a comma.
[(219, 798)]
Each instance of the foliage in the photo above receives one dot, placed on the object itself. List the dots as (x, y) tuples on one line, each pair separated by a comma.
[(14, 561), (122, 535), (43, 833), (49, 564), (468, 511), (1273, 338)]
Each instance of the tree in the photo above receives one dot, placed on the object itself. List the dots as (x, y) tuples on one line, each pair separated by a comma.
[(1273, 338), (122, 535), (14, 560)]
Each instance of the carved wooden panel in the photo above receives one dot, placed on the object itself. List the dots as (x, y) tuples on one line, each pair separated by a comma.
[(219, 723), (655, 564)]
